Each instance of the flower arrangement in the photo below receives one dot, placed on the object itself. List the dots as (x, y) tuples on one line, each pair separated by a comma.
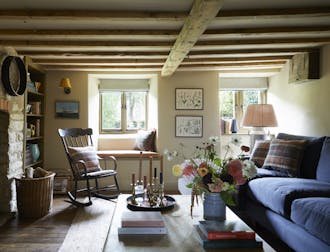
[(209, 173)]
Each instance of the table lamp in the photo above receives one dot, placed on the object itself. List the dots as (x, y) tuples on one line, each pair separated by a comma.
[(259, 116)]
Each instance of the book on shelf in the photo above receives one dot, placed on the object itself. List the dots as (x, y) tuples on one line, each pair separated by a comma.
[(142, 219), (226, 230), (230, 243), (142, 230)]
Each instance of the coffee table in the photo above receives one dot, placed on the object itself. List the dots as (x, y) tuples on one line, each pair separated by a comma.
[(181, 234)]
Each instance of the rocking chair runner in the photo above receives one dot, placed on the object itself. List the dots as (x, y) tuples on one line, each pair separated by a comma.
[(85, 165)]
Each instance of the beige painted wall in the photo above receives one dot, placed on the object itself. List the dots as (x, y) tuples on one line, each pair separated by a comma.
[(206, 80), (54, 156), (302, 108)]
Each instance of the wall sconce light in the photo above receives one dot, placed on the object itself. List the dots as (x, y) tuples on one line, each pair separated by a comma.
[(66, 85)]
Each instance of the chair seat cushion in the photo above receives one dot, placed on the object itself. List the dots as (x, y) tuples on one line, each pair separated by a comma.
[(278, 193), (313, 214), (86, 154), (102, 173)]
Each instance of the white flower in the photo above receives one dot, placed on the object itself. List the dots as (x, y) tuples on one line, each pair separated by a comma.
[(225, 186), (166, 151), (214, 139), (236, 140), (249, 169), (170, 155)]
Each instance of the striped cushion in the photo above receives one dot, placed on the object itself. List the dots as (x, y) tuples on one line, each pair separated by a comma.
[(86, 154), (285, 156), (259, 152), (145, 140)]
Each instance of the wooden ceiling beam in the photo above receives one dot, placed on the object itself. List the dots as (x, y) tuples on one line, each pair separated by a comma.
[(161, 54), (52, 61), (169, 34), (155, 65), (156, 15), (200, 16), (263, 41), (274, 13), (93, 15), (89, 34), (179, 51)]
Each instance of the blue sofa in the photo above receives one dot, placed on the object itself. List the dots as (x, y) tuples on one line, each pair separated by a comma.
[(292, 213)]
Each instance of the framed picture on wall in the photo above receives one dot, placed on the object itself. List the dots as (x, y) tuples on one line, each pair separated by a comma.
[(67, 109), (189, 98), (189, 126)]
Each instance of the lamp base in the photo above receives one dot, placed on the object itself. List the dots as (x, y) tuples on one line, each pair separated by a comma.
[(257, 133)]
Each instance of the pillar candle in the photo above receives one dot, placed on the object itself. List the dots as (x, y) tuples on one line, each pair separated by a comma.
[(161, 178), (150, 170), (144, 181), (161, 163), (133, 178), (140, 167)]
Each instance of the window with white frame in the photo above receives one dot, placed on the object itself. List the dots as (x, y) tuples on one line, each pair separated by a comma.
[(123, 105), (234, 99)]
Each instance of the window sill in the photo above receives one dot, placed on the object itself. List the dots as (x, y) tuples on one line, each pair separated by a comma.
[(117, 136)]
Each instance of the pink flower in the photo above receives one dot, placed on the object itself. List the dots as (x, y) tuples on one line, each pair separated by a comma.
[(216, 186), (188, 170), (235, 170), (203, 165)]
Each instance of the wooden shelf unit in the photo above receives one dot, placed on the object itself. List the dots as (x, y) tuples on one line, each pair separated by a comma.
[(34, 117)]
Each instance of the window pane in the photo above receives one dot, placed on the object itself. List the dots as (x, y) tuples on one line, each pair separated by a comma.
[(111, 111), (227, 104), (250, 97), (135, 110)]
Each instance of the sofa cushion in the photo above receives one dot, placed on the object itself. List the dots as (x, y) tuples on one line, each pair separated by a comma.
[(311, 154), (259, 152), (145, 140), (278, 193), (285, 156), (86, 154), (323, 168), (313, 214), (269, 173)]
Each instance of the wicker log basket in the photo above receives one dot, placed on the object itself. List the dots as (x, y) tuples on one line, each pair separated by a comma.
[(35, 195)]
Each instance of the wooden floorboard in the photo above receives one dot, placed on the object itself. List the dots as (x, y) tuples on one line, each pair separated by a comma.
[(44, 234)]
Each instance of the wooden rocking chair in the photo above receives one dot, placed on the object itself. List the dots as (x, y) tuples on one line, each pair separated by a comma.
[(86, 166)]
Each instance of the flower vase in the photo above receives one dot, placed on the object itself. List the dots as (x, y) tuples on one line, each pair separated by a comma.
[(35, 152), (214, 208)]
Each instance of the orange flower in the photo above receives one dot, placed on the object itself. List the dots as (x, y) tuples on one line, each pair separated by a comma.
[(202, 171)]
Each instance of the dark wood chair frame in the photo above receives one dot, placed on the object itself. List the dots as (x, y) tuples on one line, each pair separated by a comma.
[(78, 137)]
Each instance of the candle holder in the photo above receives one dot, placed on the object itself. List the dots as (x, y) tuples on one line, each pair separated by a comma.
[(139, 187), (133, 198), (149, 196)]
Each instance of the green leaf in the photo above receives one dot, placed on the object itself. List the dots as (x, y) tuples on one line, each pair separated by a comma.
[(228, 198)]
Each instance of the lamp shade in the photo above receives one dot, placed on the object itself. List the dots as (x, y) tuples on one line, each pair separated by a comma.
[(65, 83), (259, 115)]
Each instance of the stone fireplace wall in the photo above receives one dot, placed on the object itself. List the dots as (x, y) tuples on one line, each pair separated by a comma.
[(11, 143)]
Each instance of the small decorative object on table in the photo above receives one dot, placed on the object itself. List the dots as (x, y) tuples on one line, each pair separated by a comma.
[(148, 195), (210, 175)]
